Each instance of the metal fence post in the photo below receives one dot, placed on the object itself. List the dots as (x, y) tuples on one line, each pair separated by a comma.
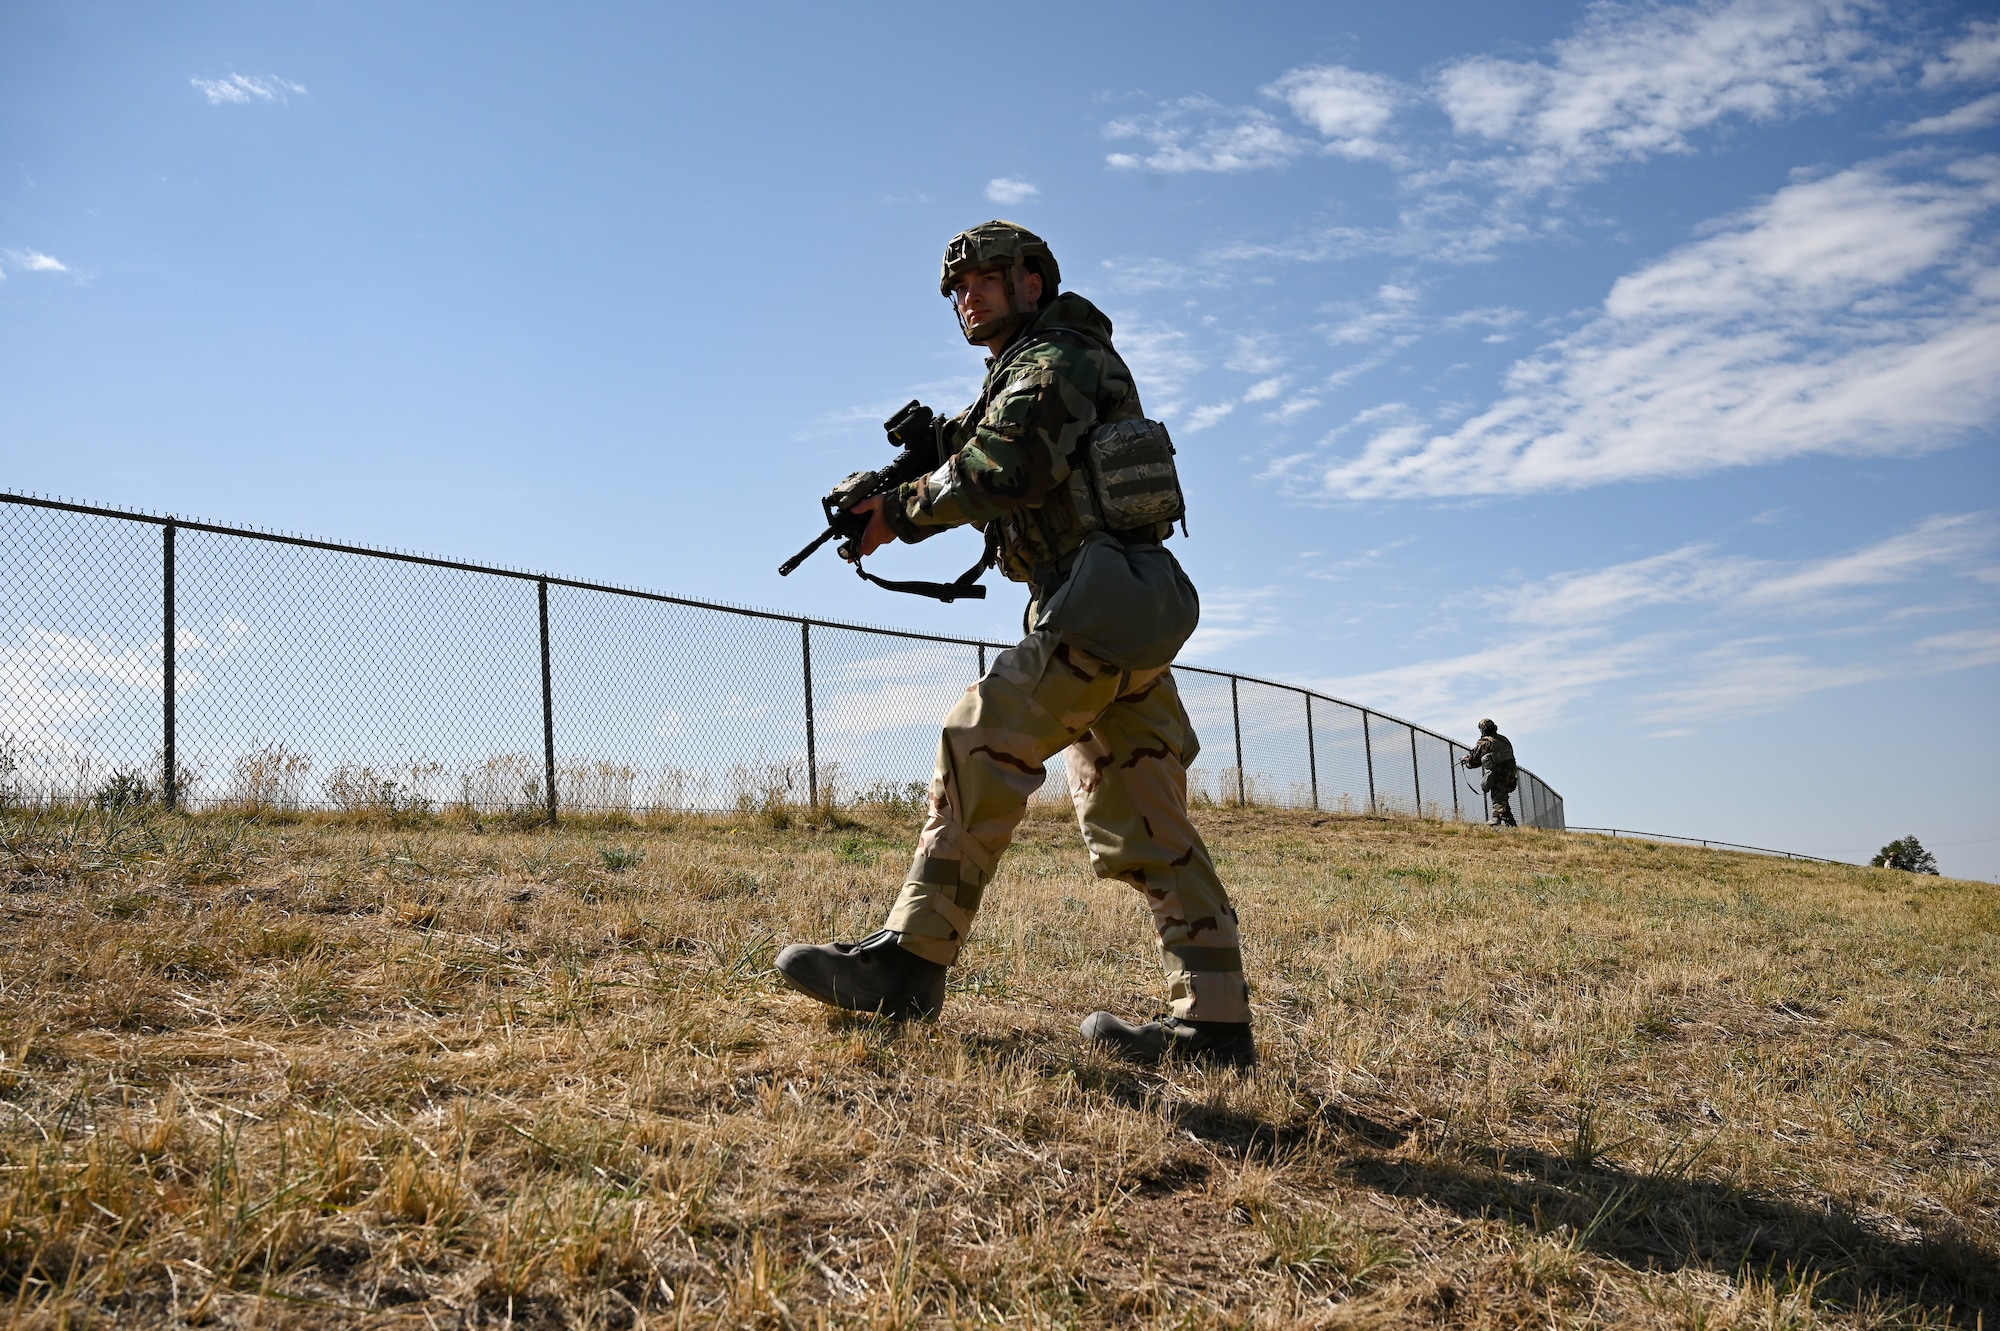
[(1236, 717), (169, 774), (548, 702), (982, 660), (812, 750), (1312, 754), (1368, 752), (1451, 765), (1416, 774)]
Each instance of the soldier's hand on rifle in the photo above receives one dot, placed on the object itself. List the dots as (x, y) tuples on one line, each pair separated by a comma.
[(877, 533)]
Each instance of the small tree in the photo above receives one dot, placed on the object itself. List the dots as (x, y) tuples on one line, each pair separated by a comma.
[(1906, 853)]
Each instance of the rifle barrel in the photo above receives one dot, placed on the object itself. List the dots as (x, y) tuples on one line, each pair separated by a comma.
[(785, 569)]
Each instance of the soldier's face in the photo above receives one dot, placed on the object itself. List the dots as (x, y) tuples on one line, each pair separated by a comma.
[(982, 296)]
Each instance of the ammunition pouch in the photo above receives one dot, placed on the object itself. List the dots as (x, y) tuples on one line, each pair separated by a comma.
[(1134, 485)]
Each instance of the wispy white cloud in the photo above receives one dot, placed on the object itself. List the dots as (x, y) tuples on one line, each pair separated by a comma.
[(1203, 417), (1965, 649), (53, 684), (1235, 615), (1349, 107), (1392, 308), (242, 89), (1947, 541), (1959, 120), (1827, 632), (1855, 314), (1292, 408), (1487, 316), (944, 395), (1337, 569), (1260, 354), (1006, 191), (1973, 58), (1164, 360), (1347, 374), (1530, 679), (1688, 574), (30, 261), (1694, 575), (1749, 676), (890, 691), (1644, 389), (1637, 80), (1633, 81), (1200, 134), (1557, 640)]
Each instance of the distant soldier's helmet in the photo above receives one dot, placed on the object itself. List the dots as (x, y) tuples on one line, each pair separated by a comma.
[(999, 246), (1486, 727)]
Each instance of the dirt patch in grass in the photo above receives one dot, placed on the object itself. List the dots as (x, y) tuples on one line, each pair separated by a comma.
[(309, 1072)]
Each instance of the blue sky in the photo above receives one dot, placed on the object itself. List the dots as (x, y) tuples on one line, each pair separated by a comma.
[(1625, 372)]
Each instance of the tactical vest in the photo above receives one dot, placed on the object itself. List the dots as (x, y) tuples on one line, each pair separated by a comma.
[(1122, 480), (1502, 773)]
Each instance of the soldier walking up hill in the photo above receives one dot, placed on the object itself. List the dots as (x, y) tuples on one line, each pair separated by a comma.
[(1075, 490), (1495, 754)]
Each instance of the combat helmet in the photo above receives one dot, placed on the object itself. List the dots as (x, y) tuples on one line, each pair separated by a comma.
[(999, 245), (1486, 726)]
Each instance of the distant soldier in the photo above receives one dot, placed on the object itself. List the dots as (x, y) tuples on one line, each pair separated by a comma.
[(1495, 755)]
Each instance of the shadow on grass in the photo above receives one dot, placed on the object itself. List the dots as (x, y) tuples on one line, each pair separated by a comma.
[(1664, 1219)]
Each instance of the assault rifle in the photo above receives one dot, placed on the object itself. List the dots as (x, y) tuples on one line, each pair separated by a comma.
[(914, 430)]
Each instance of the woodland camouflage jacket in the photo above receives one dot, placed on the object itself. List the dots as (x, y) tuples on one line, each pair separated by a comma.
[(1014, 455), (1494, 753)]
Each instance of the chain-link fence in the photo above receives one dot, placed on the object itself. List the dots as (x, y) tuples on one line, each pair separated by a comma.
[(1706, 843), (151, 658)]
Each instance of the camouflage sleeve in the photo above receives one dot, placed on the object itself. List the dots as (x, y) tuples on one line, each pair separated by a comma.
[(896, 512), (1016, 452)]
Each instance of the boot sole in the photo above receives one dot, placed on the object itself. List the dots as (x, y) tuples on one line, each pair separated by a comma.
[(1171, 1052), (835, 1000), (1171, 1056), (1176, 1058)]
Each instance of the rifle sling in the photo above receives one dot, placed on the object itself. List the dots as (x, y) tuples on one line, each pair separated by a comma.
[(965, 588)]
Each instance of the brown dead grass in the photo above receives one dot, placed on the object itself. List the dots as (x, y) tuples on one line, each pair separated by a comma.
[(318, 1073)]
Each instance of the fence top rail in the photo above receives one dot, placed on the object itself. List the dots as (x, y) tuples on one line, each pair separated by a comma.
[(1709, 843), (469, 566), (615, 589)]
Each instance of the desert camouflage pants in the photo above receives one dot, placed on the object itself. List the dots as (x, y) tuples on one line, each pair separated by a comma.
[(1129, 742)]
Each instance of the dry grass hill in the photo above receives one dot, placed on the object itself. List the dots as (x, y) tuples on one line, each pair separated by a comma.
[(278, 1071)]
